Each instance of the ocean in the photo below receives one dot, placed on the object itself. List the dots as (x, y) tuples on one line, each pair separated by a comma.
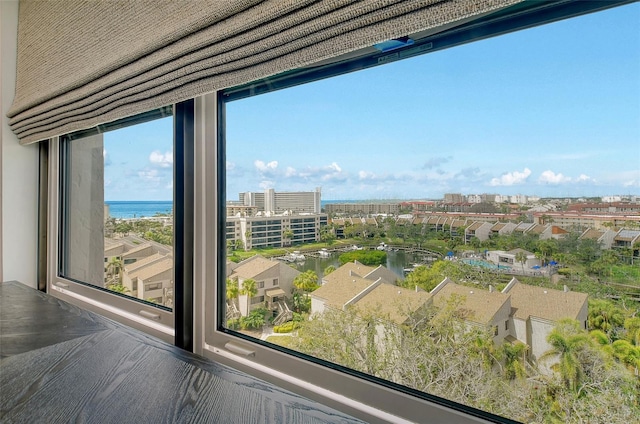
[(138, 209)]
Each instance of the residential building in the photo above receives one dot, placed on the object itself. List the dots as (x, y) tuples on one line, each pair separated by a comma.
[(364, 208), (273, 230), (274, 282), (536, 310), (500, 257), (279, 202), (485, 309)]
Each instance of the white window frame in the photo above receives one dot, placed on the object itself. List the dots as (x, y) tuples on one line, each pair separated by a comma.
[(129, 311), (359, 397)]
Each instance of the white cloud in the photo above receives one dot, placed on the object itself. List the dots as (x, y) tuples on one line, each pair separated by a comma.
[(290, 172), (436, 161), (150, 175), (266, 167), (230, 166), (163, 160), (266, 184), (511, 178), (584, 178), (107, 158), (331, 172), (550, 177), (366, 175)]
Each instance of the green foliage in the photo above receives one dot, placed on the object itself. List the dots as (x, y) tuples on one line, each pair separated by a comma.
[(366, 257), (606, 316), (300, 302), (287, 327), (428, 277), (118, 288), (233, 323), (567, 340), (255, 320), (442, 355), (249, 287), (232, 288), (306, 281), (328, 270)]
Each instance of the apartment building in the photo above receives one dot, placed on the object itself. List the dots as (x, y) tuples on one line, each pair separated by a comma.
[(278, 202), (274, 230), (365, 208)]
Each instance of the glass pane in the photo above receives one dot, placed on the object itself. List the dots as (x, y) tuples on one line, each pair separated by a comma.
[(119, 211), (465, 223)]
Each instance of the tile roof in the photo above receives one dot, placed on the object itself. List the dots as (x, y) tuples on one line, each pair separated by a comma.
[(481, 304), (393, 302), (255, 265), (592, 234), (337, 292), (349, 269), (132, 268), (544, 303), (155, 268), (139, 249)]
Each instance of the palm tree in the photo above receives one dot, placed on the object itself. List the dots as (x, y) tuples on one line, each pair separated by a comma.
[(232, 288), (307, 281), (249, 287), (287, 235), (567, 340), (522, 258), (514, 360), (114, 269)]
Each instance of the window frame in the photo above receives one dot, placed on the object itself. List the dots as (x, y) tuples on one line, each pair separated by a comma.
[(164, 323), (361, 395)]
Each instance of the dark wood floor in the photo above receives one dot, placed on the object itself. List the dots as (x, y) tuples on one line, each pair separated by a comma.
[(59, 363)]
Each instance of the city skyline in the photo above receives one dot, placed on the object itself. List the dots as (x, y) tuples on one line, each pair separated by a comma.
[(560, 118)]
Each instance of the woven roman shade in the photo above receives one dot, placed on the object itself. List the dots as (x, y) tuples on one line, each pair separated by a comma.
[(86, 62)]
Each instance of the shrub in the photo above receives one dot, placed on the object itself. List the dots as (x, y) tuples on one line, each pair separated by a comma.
[(287, 327)]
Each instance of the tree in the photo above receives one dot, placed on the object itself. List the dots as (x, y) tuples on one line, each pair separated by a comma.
[(328, 270), (604, 315), (566, 340), (249, 287), (287, 235), (255, 319), (306, 281), (300, 302), (232, 288), (514, 360), (522, 258), (365, 257), (114, 269)]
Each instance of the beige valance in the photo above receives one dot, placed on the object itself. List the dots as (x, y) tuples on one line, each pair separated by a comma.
[(87, 62)]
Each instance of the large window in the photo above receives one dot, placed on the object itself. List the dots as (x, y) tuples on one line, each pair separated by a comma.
[(416, 217), (116, 214)]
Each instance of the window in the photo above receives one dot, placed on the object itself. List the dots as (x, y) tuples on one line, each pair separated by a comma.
[(488, 118), (261, 285), (116, 216)]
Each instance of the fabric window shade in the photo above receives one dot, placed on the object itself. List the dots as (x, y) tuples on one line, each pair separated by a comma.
[(83, 63)]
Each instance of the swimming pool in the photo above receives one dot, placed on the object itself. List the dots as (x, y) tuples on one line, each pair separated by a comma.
[(484, 264)]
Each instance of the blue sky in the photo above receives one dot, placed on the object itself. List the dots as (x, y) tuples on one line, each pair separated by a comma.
[(550, 111)]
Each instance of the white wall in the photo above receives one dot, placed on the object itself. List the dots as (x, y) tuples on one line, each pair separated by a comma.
[(19, 170)]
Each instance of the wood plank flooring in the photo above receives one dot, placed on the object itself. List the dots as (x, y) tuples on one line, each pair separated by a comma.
[(59, 364)]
